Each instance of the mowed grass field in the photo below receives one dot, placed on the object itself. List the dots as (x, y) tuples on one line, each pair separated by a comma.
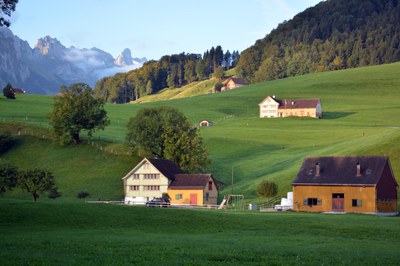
[(49, 233), (361, 116)]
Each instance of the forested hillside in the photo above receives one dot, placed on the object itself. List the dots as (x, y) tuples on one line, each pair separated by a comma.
[(335, 34), (172, 71)]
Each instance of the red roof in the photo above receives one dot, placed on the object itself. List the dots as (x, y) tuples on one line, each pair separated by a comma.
[(191, 181), (298, 103)]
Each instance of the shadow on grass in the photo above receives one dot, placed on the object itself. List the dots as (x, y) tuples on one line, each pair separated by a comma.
[(336, 115)]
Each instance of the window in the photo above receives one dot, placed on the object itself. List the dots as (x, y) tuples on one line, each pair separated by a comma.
[(151, 188), (207, 196), (312, 201), (151, 176), (136, 176), (133, 188), (210, 185), (146, 166), (356, 202), (178, 196)]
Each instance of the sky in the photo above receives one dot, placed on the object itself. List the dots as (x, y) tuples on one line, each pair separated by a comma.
[(153, 28)]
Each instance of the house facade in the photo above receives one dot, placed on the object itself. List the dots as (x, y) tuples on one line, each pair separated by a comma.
[(271, 107), (193, 189), (361, 184), (151, 178)]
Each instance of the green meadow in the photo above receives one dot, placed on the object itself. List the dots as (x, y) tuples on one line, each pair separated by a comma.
[(50, 233), (361, 111)]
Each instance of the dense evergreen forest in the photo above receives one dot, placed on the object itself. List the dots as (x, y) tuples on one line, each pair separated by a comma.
[(335, 34), (172, 71)]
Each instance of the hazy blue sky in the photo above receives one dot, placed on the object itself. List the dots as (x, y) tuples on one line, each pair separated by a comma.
[(153, 28)]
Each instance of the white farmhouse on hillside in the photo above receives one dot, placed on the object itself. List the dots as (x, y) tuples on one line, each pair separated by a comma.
[(272, 107)]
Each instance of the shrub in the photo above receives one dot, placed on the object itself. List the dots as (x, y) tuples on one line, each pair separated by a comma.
[(267, 189), (6, 140), (8, 92), (82, 194), (54, 193)]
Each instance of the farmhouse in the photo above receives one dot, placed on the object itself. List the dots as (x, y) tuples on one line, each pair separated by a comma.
[(362, 184), (152, 177), (206, 123), (19, 91), (233, 83), (272, 107)]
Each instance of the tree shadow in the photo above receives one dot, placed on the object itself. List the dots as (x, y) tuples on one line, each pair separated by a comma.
[(336, 115)]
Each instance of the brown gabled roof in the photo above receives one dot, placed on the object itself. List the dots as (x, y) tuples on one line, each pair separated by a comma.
[(341, 170), (191, 181), (239, 81), (298, 103), (19, 91), (168, 168)]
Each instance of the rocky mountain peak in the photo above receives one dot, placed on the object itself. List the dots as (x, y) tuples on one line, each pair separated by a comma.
[(50, 64), (124, 58), (49, 46)]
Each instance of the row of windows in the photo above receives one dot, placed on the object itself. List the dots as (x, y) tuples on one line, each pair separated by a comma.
[(180, 196), (316, 201), (146, 176), (145, 188), (269, 106), (151, 176), (269, 111), (312, 201)]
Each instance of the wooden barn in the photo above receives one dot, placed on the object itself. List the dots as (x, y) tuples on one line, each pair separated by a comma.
[(361, 184)]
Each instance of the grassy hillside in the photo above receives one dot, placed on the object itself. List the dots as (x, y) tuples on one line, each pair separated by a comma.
[(47, 233), (81, 168), (361, 109), (190, 90)]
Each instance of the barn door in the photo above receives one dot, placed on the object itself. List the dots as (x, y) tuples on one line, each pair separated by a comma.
[(193, 199), (338, 202)]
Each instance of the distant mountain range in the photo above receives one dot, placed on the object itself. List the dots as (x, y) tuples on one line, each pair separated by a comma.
[(43, 69)]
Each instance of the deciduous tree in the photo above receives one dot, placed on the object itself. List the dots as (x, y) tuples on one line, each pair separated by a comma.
[(8, 91), (8, 176), (6, 8), (166, 133), (219, 72), (74, 110), (267, 189), (36, 182)]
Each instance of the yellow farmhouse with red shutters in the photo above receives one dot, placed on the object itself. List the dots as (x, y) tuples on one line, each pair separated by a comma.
[(151, 178)]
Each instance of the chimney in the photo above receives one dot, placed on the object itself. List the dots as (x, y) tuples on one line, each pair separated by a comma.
[(317, 169), (273, 96), (358, 170)]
